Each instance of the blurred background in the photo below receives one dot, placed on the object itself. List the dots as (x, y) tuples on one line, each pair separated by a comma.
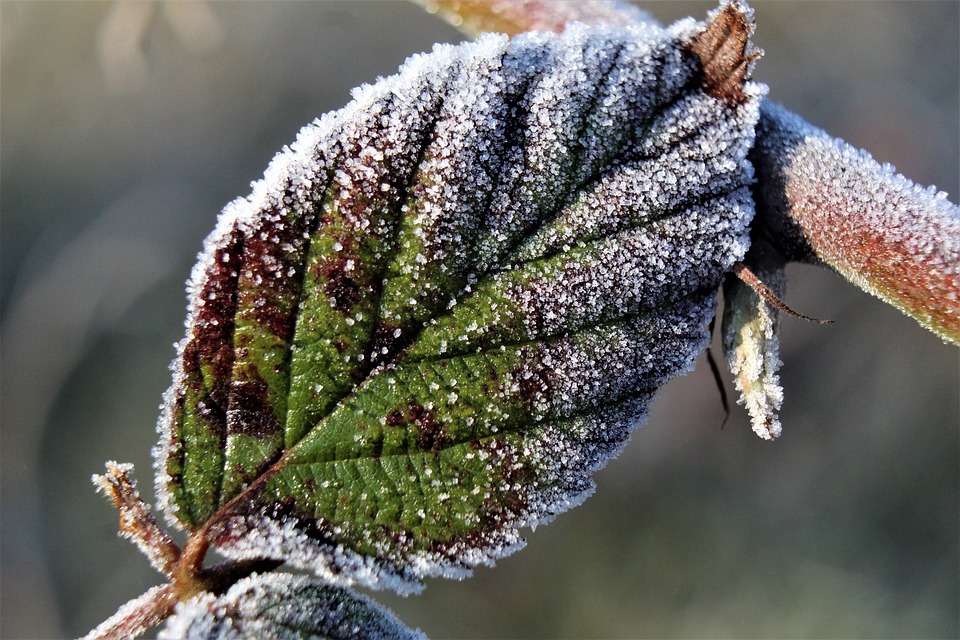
[(126, 127)]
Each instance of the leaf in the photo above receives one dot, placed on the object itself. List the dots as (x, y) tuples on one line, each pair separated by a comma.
[(750, 330), (451, 301), (513, 17), (283, 606), (827, 202)]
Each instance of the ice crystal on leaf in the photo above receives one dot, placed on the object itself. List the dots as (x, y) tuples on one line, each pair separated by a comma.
[(448, 303)]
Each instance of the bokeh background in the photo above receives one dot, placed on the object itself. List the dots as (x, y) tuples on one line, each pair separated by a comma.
[(126, 127)]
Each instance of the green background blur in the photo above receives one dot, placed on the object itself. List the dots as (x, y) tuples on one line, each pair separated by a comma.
[(124, 130)]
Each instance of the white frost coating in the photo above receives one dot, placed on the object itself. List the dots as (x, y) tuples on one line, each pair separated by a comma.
[(282, 606), (636, 270), (752, 347), (886, 234), (199, 617), (265, 536), (604, 363), (567, 452)]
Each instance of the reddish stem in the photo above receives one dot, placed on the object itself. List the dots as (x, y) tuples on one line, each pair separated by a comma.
[(138, 615), (136, 519)]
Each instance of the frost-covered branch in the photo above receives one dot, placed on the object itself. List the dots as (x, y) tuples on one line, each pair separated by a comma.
[(827, 202), (136, 519), (138, 615)]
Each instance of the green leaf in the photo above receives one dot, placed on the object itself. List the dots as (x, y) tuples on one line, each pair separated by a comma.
[(451, 301), (284, 606)]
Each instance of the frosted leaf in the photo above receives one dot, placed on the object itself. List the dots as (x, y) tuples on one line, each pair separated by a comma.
[(451, 301), (282, 606), (825, 201), (750, 333)]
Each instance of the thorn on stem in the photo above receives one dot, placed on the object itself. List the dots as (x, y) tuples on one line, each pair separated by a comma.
[(751, 280)]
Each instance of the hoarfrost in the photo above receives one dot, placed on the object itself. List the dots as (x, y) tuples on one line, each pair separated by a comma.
[(750, 333), (828, 202)]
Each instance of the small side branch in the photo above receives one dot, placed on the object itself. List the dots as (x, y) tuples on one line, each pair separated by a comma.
[(136, 519)]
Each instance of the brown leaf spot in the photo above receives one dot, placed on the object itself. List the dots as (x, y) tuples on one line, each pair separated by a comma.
[(250, 413), (535, 380), (212, 332), (430, 433), (388, 340), (340, 287), (270, 266)]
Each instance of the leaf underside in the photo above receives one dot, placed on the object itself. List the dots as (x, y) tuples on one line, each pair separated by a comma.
[(452, 300)]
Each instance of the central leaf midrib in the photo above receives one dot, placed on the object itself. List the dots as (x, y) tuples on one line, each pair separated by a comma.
[(638, 315), (401, 200), (514, 429)]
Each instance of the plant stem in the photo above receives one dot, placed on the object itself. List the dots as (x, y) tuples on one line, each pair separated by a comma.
[(138, 615), (136, 519)]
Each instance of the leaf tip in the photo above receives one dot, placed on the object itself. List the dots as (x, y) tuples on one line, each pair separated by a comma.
[(726, 53)]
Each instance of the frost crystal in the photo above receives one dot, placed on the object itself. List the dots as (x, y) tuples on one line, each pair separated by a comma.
[(448, 303)]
